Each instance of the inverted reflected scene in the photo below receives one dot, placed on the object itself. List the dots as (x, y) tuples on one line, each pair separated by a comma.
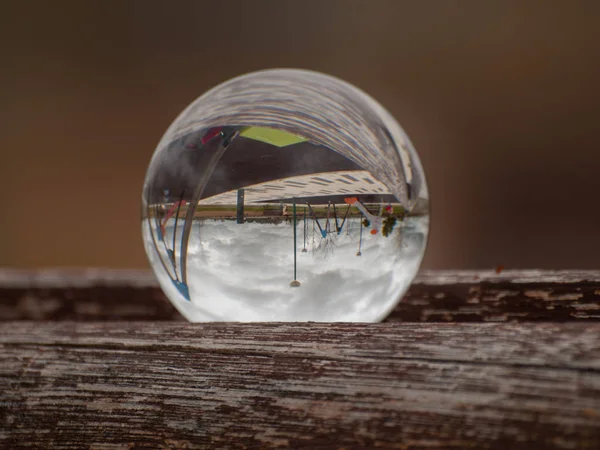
[(265, 221)]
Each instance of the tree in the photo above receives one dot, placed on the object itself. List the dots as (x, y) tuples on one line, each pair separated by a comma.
[(388, 226)]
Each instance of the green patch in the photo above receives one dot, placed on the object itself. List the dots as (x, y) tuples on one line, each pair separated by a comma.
[(271, 136), (388, 226)]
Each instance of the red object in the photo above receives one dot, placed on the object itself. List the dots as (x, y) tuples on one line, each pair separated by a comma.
[(350, 200), (373, 231), (211, 134), (170, 213)]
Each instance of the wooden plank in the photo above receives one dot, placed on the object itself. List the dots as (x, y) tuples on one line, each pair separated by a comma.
[(390, 385), (436, 296), (83, 294), (526, 295)]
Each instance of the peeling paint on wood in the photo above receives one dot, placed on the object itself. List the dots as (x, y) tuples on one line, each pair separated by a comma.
[(149, 384), (311, 385)]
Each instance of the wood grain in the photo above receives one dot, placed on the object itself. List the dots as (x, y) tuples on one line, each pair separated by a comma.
[(391, 385), (435, 296)]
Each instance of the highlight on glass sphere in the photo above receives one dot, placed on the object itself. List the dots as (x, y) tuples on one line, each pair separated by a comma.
[(285, 195)]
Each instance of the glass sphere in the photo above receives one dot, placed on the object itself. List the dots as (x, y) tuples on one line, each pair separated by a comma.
[(285, 195)]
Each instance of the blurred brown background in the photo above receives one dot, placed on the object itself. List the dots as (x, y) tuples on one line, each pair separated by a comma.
[(500, 98)]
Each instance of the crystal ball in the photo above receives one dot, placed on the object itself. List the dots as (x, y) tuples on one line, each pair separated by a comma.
[(285, 195)]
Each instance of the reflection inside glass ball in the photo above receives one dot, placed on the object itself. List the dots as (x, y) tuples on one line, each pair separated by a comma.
[(257, 223)]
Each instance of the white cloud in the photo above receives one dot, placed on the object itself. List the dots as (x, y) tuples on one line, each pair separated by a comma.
[(242, 272)]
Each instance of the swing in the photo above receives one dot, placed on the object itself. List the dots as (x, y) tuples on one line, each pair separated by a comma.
[(340, 227), (323, 232)]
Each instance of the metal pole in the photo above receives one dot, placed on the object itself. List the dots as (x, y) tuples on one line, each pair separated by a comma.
[(189, 217), (360, 238), (294, 212), (304, 230), (295, 282)]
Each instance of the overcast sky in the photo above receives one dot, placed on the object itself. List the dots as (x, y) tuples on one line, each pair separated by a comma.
[(242, 272)]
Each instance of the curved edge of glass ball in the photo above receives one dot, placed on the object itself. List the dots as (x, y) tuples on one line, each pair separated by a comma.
[(297, 100)]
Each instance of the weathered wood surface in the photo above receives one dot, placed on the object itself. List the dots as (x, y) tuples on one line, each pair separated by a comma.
[(390, 385), (436, 296)]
